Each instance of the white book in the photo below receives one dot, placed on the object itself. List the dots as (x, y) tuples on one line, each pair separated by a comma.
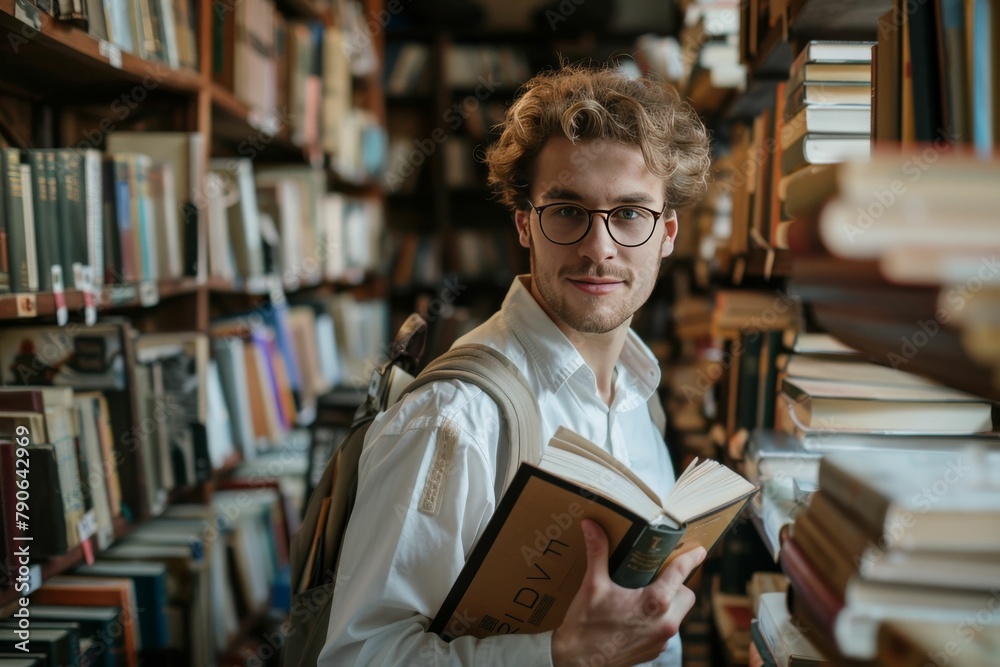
[(229, 356), (219, 433), (826, 119)]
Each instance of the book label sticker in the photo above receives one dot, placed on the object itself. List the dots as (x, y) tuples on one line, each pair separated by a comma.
[(59, 296), (86, 527), (112, 53), (28, 14), (84, 277), (27, 306), (149, 293)]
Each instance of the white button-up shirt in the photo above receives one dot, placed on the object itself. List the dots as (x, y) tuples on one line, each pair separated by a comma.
[(398, 564)]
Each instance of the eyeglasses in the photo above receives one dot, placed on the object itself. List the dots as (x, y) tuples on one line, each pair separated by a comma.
[(566, 224)]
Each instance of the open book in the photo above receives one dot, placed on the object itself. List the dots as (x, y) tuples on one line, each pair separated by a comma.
[(530, 561)]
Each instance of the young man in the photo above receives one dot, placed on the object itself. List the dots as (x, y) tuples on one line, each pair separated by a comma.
[(594, 166)]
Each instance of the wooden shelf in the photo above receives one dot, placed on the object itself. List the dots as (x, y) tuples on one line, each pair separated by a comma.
[(231, 463), (113, 297), (43, 60), (241, 128), (840, 19)]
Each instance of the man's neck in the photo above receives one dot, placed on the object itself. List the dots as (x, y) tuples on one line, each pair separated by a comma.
[(599, 351)]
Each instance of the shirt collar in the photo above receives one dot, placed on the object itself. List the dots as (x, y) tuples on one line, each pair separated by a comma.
[(556, 359)]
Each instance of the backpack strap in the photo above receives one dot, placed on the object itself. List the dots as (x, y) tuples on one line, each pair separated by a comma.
[(503, 382)]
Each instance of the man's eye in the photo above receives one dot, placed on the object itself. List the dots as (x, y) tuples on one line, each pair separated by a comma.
[(627, 214), (569, 212)]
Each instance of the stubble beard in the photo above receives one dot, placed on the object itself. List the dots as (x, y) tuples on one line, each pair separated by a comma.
[(594, 320)]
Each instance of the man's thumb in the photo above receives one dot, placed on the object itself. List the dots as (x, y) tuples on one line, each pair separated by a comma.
[(597, 548)]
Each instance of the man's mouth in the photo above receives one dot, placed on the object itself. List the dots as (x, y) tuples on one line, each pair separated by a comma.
[(591, 285)]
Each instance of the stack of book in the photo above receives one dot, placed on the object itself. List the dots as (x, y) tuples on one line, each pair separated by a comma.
[(916, 540), (830, 399), (929, 289), (826, 119)]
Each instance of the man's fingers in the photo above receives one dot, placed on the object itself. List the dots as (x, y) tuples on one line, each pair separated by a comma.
[(680, 605), (597, 552), (672, 577)]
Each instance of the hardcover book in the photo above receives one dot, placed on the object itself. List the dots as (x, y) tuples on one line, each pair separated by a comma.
[(531, 559)]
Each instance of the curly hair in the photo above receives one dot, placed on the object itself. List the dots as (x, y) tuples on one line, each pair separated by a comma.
[(602, 104)]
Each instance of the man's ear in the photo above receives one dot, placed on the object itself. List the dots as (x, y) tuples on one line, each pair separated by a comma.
[(522, 218), (670, 225)]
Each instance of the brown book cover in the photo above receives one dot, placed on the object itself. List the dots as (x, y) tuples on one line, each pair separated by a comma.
[(530, 561)]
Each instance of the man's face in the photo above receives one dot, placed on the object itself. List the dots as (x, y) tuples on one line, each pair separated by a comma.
[(594, 286)]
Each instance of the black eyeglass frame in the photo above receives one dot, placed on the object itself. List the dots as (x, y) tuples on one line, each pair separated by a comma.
[(607, 221)]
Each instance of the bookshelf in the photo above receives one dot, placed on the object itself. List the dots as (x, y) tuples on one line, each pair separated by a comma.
[(867, 320), (63, 87)]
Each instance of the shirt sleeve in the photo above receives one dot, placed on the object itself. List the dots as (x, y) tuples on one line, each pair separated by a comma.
[(398, 563)]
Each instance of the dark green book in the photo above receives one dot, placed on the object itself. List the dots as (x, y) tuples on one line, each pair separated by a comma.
[(72, 214), (17, 241), (46, 232)]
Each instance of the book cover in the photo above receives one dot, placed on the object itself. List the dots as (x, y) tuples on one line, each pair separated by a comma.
[(530, 561)]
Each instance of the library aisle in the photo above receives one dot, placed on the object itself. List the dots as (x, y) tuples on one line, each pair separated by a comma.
[(214, 214)]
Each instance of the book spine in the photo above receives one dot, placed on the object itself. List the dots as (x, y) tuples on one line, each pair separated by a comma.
[(44, 223), (93, 214), (30, 245), (70, 203), (862, 500), (112, 244), (16, 242), (821, 602), (147, 222), (123, 207), (48, 533), (640, 564), (4, 262), (926, 80)]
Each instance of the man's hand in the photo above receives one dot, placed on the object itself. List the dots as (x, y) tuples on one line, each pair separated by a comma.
[(624, 626)]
